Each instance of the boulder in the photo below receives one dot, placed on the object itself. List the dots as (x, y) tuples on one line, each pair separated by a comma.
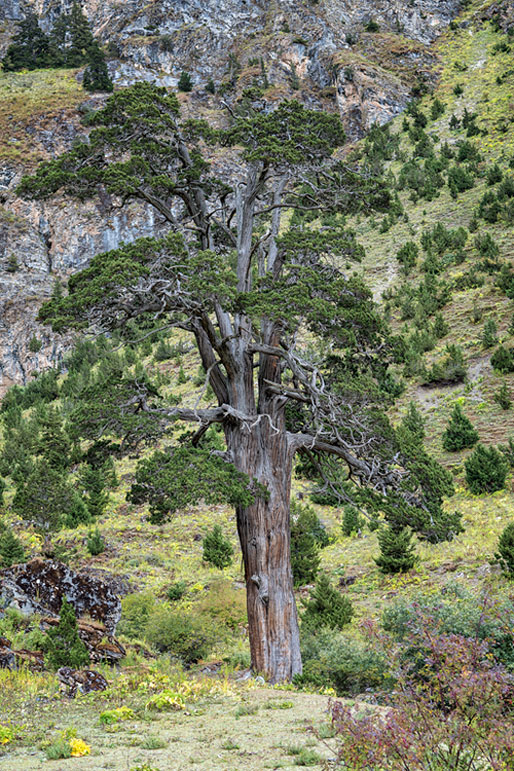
[(38, 587), (100, 644), (81, 680)]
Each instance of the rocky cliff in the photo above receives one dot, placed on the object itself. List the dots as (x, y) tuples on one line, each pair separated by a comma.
[(361, 58)]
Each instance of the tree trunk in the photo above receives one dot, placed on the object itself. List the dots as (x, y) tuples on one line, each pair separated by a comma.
[(264, 532)]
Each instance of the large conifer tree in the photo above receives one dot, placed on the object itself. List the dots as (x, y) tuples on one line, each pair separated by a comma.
[(245, 282)]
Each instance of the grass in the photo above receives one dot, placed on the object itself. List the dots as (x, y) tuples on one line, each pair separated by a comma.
[(35, 100)]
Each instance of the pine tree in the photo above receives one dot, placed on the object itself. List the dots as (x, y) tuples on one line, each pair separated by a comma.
[(95, 543), (30, 48), (54, 444), (440, 328), (44, 497), (217, 550), (489, 335), (397, 552), (11, 549), (2, 490), (304, 547), (502, 397), (96, 498), (352, 521), (63, 646), (505, 554), (82, 43), (185, 82), (486, 470), (459, 433), (326, 607), (414, 423), (96, 74)]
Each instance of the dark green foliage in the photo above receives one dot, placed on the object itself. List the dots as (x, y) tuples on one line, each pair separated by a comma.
[(46, 498), (459, 433), (92, 486), (63, 646), (2, 490), (489, 335), (407, 256), (437, 109), (459, 180), (486, 470), (502, 397), (96, 75), (397, 552), (70, 44), (339, 661), (176, 591), (326, 607), (210, 87), (458, 90), (439, 240), (11, 548), (503, 359), (179, 633), (440, 328), (95, 543), (494, 174), (414, 423), (457, 612), (372, 26), (505, 554), (182, 378), (304, 545), (217, 550), (185, 82), (352, 521), (159, 481), (30, 48), (53, 443), (34, 344), (451, 369)]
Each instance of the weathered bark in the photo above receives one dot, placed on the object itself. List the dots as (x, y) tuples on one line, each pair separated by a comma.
[(264, 454)]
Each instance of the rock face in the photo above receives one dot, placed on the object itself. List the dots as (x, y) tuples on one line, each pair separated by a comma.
[(81, 680), (38, 587), (319, 52)]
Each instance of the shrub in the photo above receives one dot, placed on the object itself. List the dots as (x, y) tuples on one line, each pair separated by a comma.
[(217, 550), (450, 369), (459, 433), (185, 82), (176, 591), (448, 712), (11, 549), (95, 543), (502, 397), (62, 643), (505, 554), (397, 552), (336, 660), (407, 256), (135, 612), (440, 328), (414, 423), (503, 359), (224, 605), (96, 75), (182, 634), (494, 174), (489, 336), (92, 482), (486, 470), (372, 26), (352, 521), (326, 607)]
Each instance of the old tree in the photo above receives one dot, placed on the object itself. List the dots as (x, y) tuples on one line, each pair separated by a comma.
[(255, 265)]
